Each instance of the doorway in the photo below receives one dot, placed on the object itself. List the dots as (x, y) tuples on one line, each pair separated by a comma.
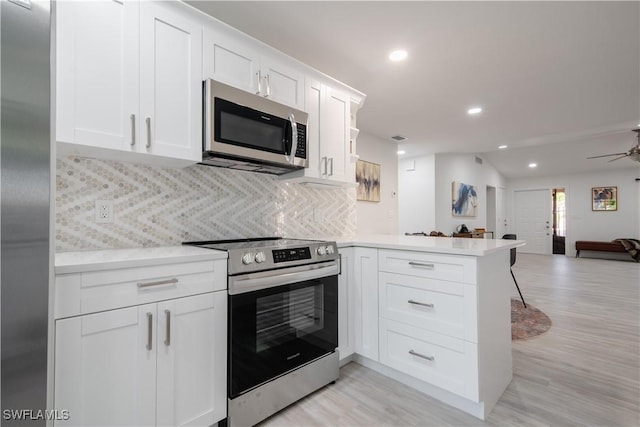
[(533, 220), (491, 210), (559, 220)]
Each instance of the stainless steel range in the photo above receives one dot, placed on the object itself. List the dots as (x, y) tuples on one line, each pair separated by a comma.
[(283, 322)]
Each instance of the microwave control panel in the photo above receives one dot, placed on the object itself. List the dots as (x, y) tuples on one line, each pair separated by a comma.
[(301, 149)]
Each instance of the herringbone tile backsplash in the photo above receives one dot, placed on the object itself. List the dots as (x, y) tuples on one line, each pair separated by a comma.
[(159, 207)]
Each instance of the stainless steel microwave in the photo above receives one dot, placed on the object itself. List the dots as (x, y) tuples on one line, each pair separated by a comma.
[(250, 132)]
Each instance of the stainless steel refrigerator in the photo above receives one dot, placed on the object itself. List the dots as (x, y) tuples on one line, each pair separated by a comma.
[(25, 146)]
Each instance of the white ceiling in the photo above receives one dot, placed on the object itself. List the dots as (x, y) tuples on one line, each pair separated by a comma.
[(558, 81)]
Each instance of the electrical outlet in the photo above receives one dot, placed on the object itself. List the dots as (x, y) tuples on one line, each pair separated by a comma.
[(104, 211)]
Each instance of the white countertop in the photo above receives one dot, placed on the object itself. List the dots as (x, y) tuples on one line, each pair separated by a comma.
[(81, 261), (444, 245)]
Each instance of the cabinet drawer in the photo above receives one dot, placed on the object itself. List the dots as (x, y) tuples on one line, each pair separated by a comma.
[(447, 308), (89, 292), (442, 361), (423, 264)]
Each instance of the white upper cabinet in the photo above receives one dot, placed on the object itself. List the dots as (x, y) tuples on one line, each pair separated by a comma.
[(329, 136), (129, 81), (97, 73), (334, 138), (229, 59), (170, 82), (233, 58), (282, 82)]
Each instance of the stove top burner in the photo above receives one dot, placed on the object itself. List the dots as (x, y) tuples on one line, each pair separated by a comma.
[(264, 253)]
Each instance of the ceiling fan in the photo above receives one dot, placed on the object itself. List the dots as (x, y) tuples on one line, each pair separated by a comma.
[(633, 153)]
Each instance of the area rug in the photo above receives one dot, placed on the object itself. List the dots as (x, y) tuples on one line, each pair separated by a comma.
[(527, 322)]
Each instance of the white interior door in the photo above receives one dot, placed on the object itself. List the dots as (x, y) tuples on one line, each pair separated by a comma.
[(501, 213), (533, 220)]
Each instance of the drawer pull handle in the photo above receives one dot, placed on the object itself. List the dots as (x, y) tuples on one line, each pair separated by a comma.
[(149, 331), (422, 265), (423, 304), (167, 333), (422, 356), (158, 283)]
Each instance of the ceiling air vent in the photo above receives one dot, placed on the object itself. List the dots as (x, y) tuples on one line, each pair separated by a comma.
[(478, 160), (398, 138)]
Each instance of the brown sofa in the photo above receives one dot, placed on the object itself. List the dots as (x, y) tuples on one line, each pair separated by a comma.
[(587, 245)]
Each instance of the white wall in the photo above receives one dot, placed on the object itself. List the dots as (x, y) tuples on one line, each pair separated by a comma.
[(582, 222), (463, 168), (425, 191), (379, 217), (416, 195)]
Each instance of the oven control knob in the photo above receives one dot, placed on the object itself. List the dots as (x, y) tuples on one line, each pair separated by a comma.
[(260, 257), (247, 258), (330, 250), (321, 250)]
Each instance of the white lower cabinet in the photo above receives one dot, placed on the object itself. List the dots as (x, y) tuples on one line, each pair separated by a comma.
[(346, 342), (365, 301), (192, 355), (153, 364), (140, 337), (437, 322), (104, 374), (440, 360)]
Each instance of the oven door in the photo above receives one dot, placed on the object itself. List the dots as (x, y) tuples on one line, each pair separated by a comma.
[(277, 329)]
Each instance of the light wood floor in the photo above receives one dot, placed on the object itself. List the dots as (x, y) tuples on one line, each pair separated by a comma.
[(584, 372)]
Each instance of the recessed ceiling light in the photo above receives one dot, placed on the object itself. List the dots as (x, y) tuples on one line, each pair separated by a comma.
[(501, 147), (533, 165), (474, 110), (398, 55), (401, 151)]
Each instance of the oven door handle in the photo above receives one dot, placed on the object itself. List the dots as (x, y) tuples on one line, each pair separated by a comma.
[(269, 279)]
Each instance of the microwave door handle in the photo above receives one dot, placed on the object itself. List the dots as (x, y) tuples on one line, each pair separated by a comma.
[(294, 139)]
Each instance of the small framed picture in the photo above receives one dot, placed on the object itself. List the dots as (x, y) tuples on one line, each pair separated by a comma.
[(368, 179), (604, 198)]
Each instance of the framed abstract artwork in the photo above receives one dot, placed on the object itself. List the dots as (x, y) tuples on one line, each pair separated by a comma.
[(368, 179), (464, 199)]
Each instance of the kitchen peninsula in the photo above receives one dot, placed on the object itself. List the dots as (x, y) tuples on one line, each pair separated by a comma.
[(430, 312)]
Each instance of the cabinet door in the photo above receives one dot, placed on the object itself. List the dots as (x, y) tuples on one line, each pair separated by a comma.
[(365, 296), (170, 81), (345, 304), (105, 370), (97, 70), (335, 135), (313, 106), (230, 59), (192, 360), (283, 82)]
